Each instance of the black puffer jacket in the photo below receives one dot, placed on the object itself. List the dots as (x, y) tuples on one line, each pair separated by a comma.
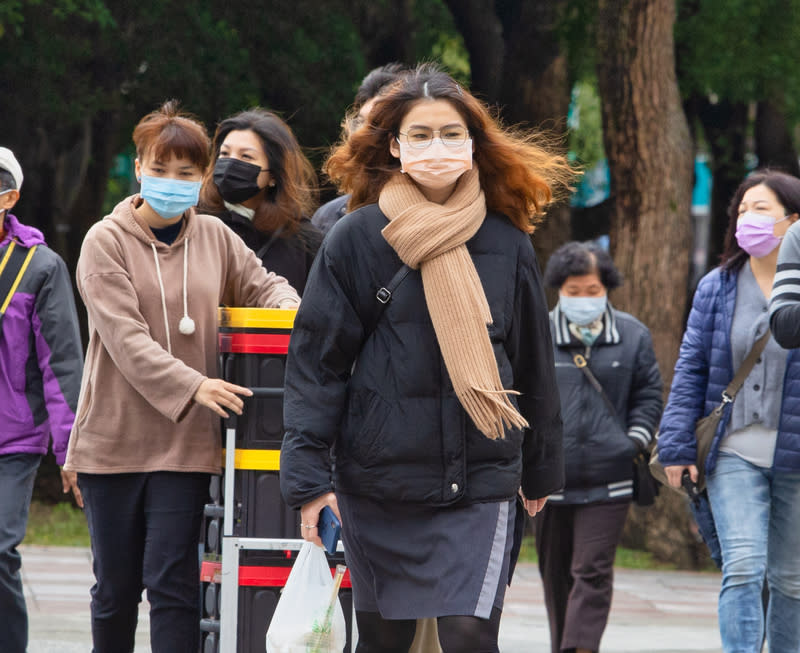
[(599, 447), (382, 398)]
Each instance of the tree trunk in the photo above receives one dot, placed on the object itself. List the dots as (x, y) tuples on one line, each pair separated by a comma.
[(774, 147), (482, 32), (649, 150)]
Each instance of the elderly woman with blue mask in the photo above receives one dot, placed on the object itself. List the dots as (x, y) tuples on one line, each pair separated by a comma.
[(579, 528)]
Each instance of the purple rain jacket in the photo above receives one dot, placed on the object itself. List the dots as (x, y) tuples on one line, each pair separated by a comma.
[(41, 359)]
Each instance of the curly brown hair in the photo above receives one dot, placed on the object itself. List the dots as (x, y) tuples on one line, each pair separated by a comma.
[(520, 171)]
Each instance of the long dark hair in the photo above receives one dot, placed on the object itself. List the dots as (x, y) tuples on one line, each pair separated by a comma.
[(294, 195), (786, 189), (520, 172)]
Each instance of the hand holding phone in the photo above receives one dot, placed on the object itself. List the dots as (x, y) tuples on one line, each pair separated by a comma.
[(689, 485), (329, 528)]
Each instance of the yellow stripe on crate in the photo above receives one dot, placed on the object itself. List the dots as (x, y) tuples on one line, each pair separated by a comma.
[(256, 459), (257, 318)]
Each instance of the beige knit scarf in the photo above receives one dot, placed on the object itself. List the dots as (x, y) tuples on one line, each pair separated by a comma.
[(431, 237)]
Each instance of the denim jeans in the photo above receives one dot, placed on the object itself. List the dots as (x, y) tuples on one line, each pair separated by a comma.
[(17, 473), (144, 530), (757, 514)]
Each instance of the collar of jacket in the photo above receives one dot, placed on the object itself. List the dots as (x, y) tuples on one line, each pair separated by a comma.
[(564, 338), (24, 234)]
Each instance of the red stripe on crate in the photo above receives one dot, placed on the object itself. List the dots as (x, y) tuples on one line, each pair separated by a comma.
[(256, 576), (254, 343), (252, 576)]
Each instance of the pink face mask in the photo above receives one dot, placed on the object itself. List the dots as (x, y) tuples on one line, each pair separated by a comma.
[(438, 165), (755, 233)]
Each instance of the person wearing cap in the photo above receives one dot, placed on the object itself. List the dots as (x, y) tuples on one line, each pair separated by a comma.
[(40, 373)]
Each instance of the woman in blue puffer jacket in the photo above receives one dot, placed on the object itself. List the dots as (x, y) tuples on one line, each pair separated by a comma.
[(753, 468)]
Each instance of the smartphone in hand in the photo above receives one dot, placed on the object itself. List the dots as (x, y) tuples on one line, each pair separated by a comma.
[(329, 529)]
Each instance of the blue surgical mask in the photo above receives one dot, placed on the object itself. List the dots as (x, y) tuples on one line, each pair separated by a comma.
[(170, 197), (582, 310)]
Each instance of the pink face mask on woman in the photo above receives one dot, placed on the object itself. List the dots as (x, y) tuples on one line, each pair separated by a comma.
[(438, 165), (755, 233)]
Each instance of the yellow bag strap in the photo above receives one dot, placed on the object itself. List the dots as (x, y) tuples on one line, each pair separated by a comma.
[(12, 268)]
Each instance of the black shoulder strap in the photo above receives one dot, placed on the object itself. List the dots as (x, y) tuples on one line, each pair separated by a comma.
[(262, 251), (583, 366), (384, 296), (12, 267)]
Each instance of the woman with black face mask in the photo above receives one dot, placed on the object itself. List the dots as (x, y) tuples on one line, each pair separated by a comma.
[(264, 188)]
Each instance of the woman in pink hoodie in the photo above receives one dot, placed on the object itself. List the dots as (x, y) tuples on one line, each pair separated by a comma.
[(146, 435)]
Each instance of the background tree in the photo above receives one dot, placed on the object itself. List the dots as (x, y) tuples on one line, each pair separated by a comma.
[(739, 77), (650, 160)]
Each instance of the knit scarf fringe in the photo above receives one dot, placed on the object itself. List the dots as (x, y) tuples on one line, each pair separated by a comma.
[(431, 237)]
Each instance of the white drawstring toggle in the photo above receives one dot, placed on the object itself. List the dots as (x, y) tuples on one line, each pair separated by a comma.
[(186, 325)]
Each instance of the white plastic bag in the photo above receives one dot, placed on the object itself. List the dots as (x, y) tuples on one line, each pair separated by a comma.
[(309, 617)]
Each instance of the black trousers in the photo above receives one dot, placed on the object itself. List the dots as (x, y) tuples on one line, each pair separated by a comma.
[(576, 545), (144, 530), (17, 474)]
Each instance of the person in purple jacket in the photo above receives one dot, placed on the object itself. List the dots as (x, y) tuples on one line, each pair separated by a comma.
[(40, 372)]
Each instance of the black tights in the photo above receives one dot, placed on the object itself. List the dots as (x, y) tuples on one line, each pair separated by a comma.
[(459, 634)]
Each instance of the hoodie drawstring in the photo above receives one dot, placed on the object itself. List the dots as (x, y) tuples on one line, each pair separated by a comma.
[(186, 325)]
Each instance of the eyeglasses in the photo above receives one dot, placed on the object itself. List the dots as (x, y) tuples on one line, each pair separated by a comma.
[(421, 137)]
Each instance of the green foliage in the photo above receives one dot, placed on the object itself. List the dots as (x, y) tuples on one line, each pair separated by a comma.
[(577, 35), (435, 38), (586, 125), (61, 524), (451, 52), (739, 50)]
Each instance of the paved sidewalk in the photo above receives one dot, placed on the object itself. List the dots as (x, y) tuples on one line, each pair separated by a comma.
[(653, 612)]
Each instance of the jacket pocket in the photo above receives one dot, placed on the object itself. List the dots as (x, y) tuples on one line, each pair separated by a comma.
[(369, 414)]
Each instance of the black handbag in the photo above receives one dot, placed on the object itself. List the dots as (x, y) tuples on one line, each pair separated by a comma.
[(706, 427), (645, 488)]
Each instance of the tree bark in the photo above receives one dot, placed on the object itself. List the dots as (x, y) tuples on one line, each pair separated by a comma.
[(649, 150), (482, 32)]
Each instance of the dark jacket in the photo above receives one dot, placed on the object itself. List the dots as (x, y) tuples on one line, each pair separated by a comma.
[(382, 398), (330, 213), (41, 358), (289, 257), (599, 447), (703, 371)]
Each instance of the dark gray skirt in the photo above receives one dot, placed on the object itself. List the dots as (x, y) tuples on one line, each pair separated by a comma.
[(411, 562)]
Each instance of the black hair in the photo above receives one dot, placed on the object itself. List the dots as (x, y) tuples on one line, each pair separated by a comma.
[(376, 81), (786, 188), (7, 180), (576, 259)]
